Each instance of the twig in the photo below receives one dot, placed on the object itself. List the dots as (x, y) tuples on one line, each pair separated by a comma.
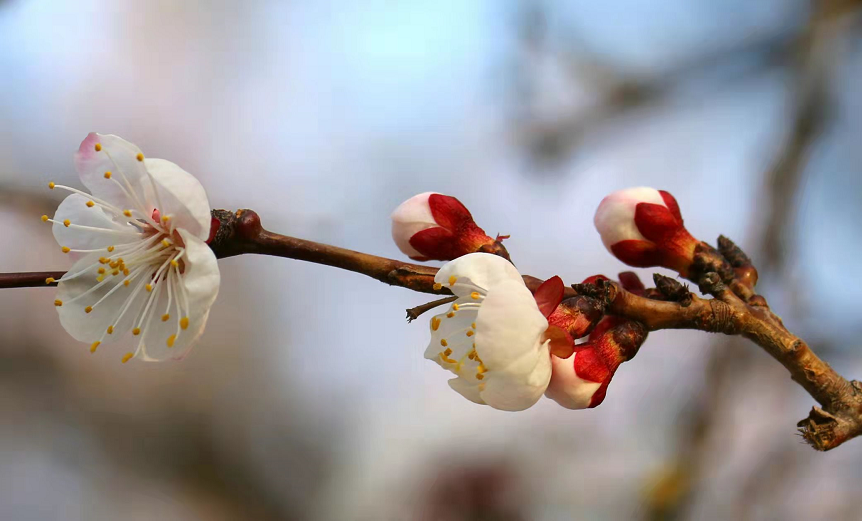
[(414, 313)]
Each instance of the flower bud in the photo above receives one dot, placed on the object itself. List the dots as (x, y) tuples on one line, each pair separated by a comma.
[(434, 226), (581, 381), (643, 228)]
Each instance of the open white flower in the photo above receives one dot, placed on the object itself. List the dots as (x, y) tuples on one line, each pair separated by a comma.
[(493, 336), (143, 265)]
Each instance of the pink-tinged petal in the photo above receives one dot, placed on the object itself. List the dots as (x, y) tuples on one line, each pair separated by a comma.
[(181, 195), (549, 295), (411, 217), (201, 280), (567, 388), (614, 217), (74, 209), (120, 158), (482, 269)]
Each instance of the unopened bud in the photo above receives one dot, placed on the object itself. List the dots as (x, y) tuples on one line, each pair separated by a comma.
[(643, 227), (433, 226)]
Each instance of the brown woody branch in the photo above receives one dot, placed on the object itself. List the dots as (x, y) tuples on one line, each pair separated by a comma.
[(727, 275)]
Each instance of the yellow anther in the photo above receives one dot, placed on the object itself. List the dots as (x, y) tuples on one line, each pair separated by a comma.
[(443, 342), (113, 264), (149, 288), (435, 323), (94, 346), (166, 243), (98, 147), (452, 280), (90, 204), (127, 357), (481, 369), (44, 218), (450, 314), (58, 302), (437, 285), (67, 223), (126, 271), (470, 332), (110, 249), (472, 355), (136, 331), (115, 272), (127, 213), (473, 325), (110, 330), (107, 175), (171, 340), (455, 307), (175, 263), (51, 185), (474, 295), (101, 271), (184, 323), (88, 309), (140, 156), (447, 352), (166, 218), (100, 278), (65, 249), (166, 317), (103, 260), (126, 282), (444, 355), (49, 280), (480, 376)]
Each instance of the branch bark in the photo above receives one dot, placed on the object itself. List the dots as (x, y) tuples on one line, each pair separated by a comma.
[(734, 310)]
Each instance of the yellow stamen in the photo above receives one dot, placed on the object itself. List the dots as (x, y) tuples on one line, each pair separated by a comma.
[(474, 295), (127, 213), (58, 302), (100, 278), (447, 352), (88, 309), (166, 317), (455, 307), (452, 280), (103, 260), (126, 271), (136, 331), (149, 288), (174, 263), (94, 346), (49, 280), (166, 243), (110, 249), (481, 369), (127, 357), (435, 323), (44, 218), (450, 314), (473, 325), (444, 355), (51, 185), (480, 376), (101, 271), (166, 218), (98, 147), (443, 342), (65, 249), (140, 156), (110, 330), (437, 286), (113, 264), (470, 332), (184, 323), (126, 282), (107, 175), (67, 223), (171, 340), (115, 272), (90, 204)]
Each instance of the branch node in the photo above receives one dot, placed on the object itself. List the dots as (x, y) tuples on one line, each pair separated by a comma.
[(672, 290)]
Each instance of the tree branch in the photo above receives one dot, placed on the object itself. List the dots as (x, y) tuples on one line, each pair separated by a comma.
[(735, 310)]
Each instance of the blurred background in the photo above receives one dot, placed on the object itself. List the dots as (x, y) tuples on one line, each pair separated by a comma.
[(302, 401)]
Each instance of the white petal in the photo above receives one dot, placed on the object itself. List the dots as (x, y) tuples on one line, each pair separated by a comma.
[(508, 326), (615, 216), (74, 208), (411, 216), (201, 280), (566, 387), (182, 196), (90, 327), (117, 156), (467, 389), (519, 386), (482, 269)]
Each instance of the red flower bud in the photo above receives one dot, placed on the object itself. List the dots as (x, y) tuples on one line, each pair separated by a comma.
[(433, 226), (643, 228)]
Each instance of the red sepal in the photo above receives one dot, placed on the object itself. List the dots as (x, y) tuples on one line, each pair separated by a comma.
[(593, 278), (671, 204), (655, 222), (435, 243), (561, 344), (637, 253), (630, 281), (590, 365), (549, 295), (456, 234), (448, 212), (214, 226)]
